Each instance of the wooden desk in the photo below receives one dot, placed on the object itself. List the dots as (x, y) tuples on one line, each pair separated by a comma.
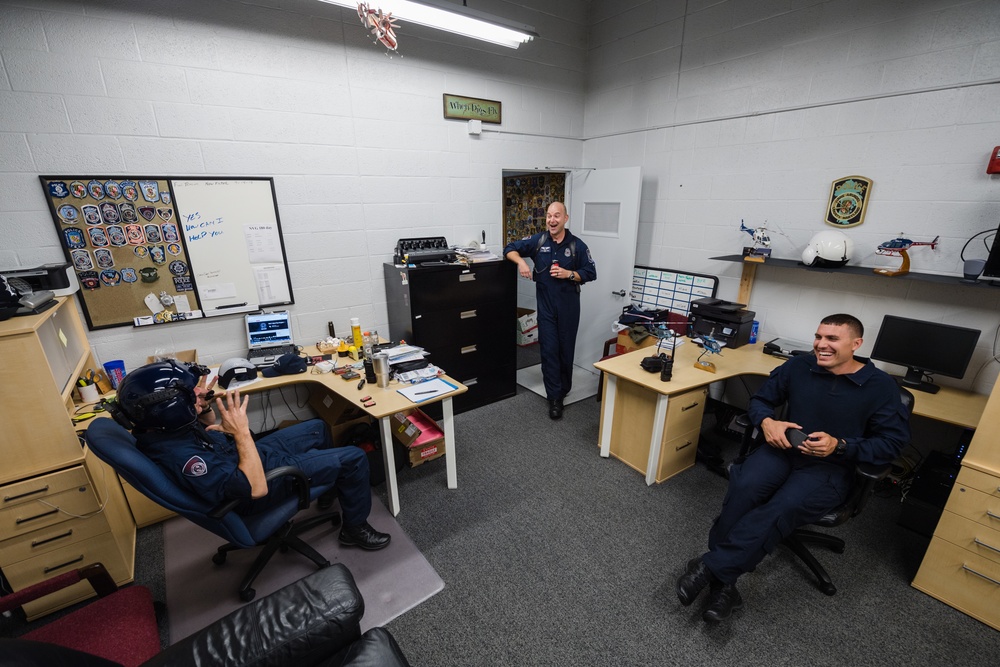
[(637, 403), (388, 402)]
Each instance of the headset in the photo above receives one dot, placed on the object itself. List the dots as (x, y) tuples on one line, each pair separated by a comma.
[(157, 397)]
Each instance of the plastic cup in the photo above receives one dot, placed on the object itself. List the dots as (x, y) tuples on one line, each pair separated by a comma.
[(116, 371)]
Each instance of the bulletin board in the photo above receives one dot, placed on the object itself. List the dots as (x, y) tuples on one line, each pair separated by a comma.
[(525, 198), (143, 257), (666, 289)]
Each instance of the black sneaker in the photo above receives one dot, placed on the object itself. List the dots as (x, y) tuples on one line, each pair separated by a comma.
[(693, 581), (722, 600), (364, 536)]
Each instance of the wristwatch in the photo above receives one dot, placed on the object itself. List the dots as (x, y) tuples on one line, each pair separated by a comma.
[(841, 447)]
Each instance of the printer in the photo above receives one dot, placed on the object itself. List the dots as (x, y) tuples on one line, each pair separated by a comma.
[(727, 322)]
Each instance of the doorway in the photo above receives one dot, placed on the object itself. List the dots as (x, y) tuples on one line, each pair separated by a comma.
[(603, 207)]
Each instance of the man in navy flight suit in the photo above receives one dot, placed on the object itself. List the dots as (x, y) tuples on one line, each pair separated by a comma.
[(562, 264), (175, 425), (852, 413)]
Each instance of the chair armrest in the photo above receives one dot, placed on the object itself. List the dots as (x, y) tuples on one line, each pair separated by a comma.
[(866, 476), (299, 479), (96, 574), (608, 344), (301, 624)]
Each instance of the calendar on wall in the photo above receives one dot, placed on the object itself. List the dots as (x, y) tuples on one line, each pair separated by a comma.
[(666, 289)]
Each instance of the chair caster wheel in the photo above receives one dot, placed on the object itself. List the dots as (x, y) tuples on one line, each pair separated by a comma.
[(219, 557), (248, 594), (828, 589)]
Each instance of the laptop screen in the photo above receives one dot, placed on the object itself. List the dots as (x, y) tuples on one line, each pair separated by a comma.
[(268, 329)]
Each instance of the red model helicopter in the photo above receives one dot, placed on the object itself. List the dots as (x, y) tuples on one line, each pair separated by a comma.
[(898, 244)]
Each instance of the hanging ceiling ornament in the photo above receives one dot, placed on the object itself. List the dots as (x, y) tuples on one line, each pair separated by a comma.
[(381, 24)]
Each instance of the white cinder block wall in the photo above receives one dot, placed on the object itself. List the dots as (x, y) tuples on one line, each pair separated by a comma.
[(748, 110), (735, 110), (293, 89)]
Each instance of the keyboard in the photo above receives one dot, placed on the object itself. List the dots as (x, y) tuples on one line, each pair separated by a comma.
[(266, 356)]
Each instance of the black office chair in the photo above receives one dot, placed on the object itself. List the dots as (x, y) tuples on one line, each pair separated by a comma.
[(866, 476), (273, 528)]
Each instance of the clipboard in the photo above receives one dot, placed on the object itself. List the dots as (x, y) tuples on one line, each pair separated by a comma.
[(425, 391)]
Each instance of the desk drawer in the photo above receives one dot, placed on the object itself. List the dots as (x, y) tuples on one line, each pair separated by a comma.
[(100, 548), (976, 505), (685, 411), (51, 509), (53, 537), (28, 490), (966, 581), (980, 481), (970, 535), (678, 454)]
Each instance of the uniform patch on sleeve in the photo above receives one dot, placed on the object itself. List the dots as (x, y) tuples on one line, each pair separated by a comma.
[(195, 467)]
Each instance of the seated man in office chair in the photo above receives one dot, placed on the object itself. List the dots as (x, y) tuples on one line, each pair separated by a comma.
[(850, 411), (167, 406)]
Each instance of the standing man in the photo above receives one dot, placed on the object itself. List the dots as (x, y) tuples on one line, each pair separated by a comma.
[(562, 264), (851, 412)]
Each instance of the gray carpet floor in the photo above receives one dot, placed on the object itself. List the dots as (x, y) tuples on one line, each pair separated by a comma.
[(554, 556)]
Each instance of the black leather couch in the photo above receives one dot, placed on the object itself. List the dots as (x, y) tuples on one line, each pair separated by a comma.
[(314, 621)]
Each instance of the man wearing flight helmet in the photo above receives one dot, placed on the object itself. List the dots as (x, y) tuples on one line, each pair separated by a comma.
[(168, 407)]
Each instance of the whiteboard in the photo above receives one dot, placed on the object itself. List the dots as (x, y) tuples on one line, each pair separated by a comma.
[(233, 238)]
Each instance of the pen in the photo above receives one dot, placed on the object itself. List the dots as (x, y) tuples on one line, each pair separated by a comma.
[(361, 384), (431, 391)]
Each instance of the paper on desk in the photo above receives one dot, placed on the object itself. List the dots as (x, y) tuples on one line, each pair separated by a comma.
[(425, 391)]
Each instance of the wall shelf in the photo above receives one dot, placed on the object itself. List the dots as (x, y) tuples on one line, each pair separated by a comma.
[(749, 269)]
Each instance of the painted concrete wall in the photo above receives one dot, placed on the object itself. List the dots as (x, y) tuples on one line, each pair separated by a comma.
[(293, 89), (735, 110), (748, 110)]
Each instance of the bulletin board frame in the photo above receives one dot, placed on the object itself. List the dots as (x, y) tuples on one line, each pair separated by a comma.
[(126, 240)]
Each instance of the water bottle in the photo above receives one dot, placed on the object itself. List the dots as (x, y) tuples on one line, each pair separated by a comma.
[(367, 344)]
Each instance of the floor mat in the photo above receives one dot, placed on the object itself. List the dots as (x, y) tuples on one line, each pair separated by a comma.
[(584, 382), (392, 581)]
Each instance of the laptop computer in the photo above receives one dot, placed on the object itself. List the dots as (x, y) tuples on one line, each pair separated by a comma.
[(269, 335)]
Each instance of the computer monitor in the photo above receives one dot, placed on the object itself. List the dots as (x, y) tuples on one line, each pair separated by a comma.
[(992, 267), (924, 348)]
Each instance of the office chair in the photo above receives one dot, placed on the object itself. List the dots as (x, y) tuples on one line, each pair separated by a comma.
[(866, 476), (272, 528), (119, 626)]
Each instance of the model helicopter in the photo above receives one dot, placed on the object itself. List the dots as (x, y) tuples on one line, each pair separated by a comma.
[(897, 247), (711, 346), (761, 244), (899, 244)]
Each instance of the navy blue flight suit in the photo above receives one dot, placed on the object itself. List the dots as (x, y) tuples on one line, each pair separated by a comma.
[(774, 491), (558, 303), (206, 463)]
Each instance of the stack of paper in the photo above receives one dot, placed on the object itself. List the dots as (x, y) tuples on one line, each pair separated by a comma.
[(403, 353)]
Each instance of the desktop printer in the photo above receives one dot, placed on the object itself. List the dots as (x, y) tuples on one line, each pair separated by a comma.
[(727, 322)]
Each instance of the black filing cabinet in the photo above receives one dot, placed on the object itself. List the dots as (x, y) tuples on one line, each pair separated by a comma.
[(465, 317)]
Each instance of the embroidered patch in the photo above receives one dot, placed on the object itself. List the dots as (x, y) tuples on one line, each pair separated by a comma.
[(195, 467)]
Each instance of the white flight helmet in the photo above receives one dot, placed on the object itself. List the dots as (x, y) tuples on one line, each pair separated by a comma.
[(829, 248)]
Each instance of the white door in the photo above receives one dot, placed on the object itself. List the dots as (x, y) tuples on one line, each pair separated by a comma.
[(604, 212)]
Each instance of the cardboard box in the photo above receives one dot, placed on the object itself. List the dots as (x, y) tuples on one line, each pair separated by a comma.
[(527, 320), (188, 356), (338, 413), (420, 434), (527, 327), (626, 344)]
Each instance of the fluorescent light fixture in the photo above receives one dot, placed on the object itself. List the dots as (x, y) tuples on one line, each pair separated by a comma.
[(452, 18)]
